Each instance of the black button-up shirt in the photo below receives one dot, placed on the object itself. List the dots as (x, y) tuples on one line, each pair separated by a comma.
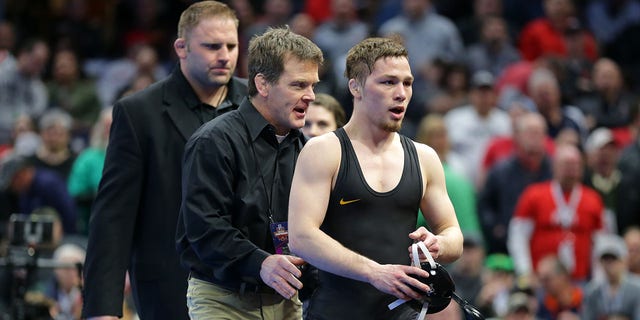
[(235, 176)]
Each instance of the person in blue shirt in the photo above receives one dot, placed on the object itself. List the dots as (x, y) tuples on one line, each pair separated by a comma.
[(37, 188)]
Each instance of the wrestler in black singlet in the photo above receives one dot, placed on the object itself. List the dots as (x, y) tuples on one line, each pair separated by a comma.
[(372, 224)]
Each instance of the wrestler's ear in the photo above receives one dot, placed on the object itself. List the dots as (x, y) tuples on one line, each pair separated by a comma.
[(354, 88)]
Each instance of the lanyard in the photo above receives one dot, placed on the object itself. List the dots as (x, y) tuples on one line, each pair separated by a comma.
[(565, 211), (268, 195)]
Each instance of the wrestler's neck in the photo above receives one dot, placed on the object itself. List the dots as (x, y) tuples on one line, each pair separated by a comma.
[(370, 134)]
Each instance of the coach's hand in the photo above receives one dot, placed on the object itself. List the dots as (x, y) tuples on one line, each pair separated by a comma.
[(281, 273)]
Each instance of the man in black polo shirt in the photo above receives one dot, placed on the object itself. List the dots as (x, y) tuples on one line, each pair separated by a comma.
[(236, 179)]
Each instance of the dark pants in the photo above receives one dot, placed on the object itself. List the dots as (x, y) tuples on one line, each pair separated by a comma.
[(159, 298)]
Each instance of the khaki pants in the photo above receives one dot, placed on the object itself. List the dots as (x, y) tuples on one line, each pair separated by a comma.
[(207, 301)]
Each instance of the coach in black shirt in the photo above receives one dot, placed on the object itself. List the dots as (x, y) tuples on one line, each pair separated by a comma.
[(237, 173)]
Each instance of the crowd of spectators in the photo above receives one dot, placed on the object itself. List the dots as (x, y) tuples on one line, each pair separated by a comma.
[(502, 88)]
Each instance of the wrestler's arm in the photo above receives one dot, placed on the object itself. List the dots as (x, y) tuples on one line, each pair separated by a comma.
[(444, 239), (312, 183)]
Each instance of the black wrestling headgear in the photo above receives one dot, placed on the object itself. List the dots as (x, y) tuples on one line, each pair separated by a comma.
[(442, 289)]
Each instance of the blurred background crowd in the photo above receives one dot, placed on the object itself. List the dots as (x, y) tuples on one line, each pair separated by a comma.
[(525, 102)]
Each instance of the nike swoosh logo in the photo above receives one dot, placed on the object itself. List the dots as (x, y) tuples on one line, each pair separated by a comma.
[(342, 202)]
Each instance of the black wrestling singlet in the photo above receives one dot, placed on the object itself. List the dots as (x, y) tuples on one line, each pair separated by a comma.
[(370, 223)]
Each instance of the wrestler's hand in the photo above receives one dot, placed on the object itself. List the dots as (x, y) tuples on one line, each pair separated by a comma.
[(397, 280), (281, 273), (429, 239)]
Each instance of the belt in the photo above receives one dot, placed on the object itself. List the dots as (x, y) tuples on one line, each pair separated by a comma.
[(240, 287)]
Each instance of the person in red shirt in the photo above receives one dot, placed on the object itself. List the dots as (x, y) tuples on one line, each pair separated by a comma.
[(501, 147), (626, 135), (558, 217), (555, 33)]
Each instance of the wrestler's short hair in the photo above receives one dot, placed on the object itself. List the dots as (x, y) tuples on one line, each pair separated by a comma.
[(362, 57)]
